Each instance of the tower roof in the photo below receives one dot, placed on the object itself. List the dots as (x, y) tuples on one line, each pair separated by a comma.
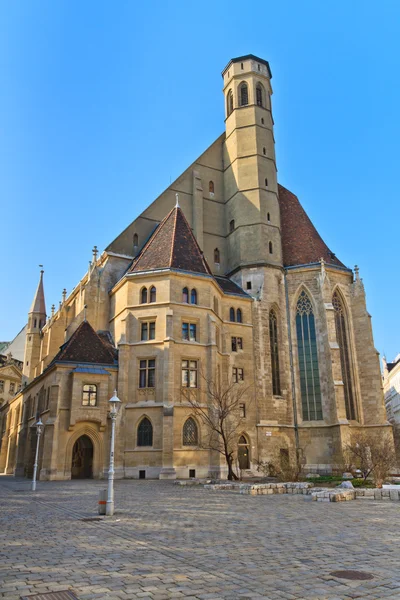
[(38, 304), (173, 246), (301, 242), (86, 346), (248, 57)]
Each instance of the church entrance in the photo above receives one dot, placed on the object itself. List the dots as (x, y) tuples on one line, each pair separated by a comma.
[(243, 454), (82, 458)]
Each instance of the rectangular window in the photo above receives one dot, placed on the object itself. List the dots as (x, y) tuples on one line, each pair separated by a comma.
[(237, 344), (242, 411), (148, 331), (237, 375), (89, 395), (189, 373), (12, 388), (1, 385), (189, 332), (147, 373)]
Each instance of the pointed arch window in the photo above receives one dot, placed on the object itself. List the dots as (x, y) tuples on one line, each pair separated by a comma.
[(273, 338), (143, 296), (342, 340), (232, 314), (145, 433), (193, 296), (216, 256), (185, 295), (239, 315), (232, 225), (308, 360), (190, 433), (153, 294), (211, 187), (243, 94), (259, 95), (229, 103)]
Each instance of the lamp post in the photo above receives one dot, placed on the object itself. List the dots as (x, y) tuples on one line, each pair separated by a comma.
[(39, 429), (115, 403)]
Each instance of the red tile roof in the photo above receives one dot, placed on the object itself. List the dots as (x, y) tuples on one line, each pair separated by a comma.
[(86, 346), (172, 245), (301, 242)]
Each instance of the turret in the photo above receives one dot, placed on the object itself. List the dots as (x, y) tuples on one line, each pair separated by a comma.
[(36, 320)]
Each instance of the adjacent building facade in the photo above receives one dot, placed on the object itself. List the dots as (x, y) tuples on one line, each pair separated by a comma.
[(391, 388), (222, 275)]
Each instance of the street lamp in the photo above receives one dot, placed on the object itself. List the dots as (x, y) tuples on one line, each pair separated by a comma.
[(39, 429), (115, 403)]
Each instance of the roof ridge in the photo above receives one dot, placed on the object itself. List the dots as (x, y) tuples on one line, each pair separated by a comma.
[(152, 238), (196, 243), (171, 254)]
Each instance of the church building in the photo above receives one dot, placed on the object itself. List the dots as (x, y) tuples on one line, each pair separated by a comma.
[(224, 273)]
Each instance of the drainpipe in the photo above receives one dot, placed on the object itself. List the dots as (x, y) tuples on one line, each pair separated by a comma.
[(296, 427)]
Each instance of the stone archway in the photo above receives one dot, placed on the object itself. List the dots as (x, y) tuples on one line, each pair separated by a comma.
[(82, 458), (243, 454)]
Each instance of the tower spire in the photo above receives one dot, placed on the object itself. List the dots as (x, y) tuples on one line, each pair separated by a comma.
[(39, 304)]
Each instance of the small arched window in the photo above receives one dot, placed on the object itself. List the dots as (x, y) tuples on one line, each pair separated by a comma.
[(259, 95), (190, 433), (211, 187), (243, 95), (232, 314), (193, 296), (229, 103), (145, 433), (268, 217), (239, 315), (136, 240), (270, 248), (266, 182), (216, 255), (143, 296), (185, 295), (232, 225), (264, 151), (35, 322), (153, 294)]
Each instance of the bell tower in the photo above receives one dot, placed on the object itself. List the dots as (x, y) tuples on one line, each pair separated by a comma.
[(250, 180), (36, 320)]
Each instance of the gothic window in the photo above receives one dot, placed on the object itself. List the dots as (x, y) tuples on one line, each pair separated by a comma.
[(193, 296), (243, 94), (308, 360), (229, 103), (341, 336), (135, 240), (145, 433), (232, 225), (143, 296), (89, 395), (34, 322), (153, 294), (239, 315), (216, 256), (270, 248), (273, 337), (190, 433), (232, 314), (211, 187), (259, 95), (185, 295)]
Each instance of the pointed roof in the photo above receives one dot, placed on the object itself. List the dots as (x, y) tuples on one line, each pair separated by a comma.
[(38, 304), (172, 246), (86, 346), (301, 242)]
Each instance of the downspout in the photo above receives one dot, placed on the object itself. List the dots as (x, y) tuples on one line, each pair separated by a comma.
[(296, 427)]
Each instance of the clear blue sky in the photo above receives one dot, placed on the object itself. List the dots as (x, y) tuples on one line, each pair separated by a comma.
[(103, 103)]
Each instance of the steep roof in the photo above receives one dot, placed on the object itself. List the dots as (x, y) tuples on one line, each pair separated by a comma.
[(86, 346), (230, 287), (38, 304), (173, 246), (301, 242)]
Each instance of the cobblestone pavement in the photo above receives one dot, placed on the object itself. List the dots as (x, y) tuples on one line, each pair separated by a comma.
[(168, 541)]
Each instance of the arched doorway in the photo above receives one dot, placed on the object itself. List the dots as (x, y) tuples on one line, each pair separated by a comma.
[(82, 458), (243, 454)]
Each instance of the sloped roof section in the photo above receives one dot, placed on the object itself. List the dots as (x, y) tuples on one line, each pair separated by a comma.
[(173, 246), (86, 346), (301, 242), (230, 287)]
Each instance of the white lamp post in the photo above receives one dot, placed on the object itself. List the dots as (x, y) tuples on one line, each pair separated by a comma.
[(39, 429), (115, 403)]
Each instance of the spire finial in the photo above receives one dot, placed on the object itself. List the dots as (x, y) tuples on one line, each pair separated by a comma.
[(53, 308), (177, 200), (94, 254), (64, 295), (357, 272)]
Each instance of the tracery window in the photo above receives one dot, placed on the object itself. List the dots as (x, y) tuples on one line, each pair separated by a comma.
[(145, 433), (143, 296), (341, 336), (190, 433), (243, 94), (273, 338), (89, 395), (229, 103), (308, 360)]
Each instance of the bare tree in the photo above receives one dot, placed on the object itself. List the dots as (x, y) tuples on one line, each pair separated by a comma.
[(373, 454), (221, 415)]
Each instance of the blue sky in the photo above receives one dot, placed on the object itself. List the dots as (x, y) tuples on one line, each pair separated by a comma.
[(102, 104)]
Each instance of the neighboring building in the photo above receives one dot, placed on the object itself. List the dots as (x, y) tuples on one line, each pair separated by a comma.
[(10, 386), (391, 389), (234, 283), (17, 346)]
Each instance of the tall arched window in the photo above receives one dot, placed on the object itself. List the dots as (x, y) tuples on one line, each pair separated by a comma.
[(270, 248), (243, 94), (193, 296), (229, 103), (211, 187), (273, 338), (185, 295), (216, 255), (232, 314), (259, 95), (153, 294), (145, 433), (341, 336), (190, 433), (308, 360), (143, 296), (239, 315), (135, 239)]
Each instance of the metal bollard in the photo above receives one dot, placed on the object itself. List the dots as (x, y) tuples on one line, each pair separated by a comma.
[(102, 502)]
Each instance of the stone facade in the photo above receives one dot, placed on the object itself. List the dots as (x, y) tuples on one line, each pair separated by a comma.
[(391, 388), (243, 243)]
